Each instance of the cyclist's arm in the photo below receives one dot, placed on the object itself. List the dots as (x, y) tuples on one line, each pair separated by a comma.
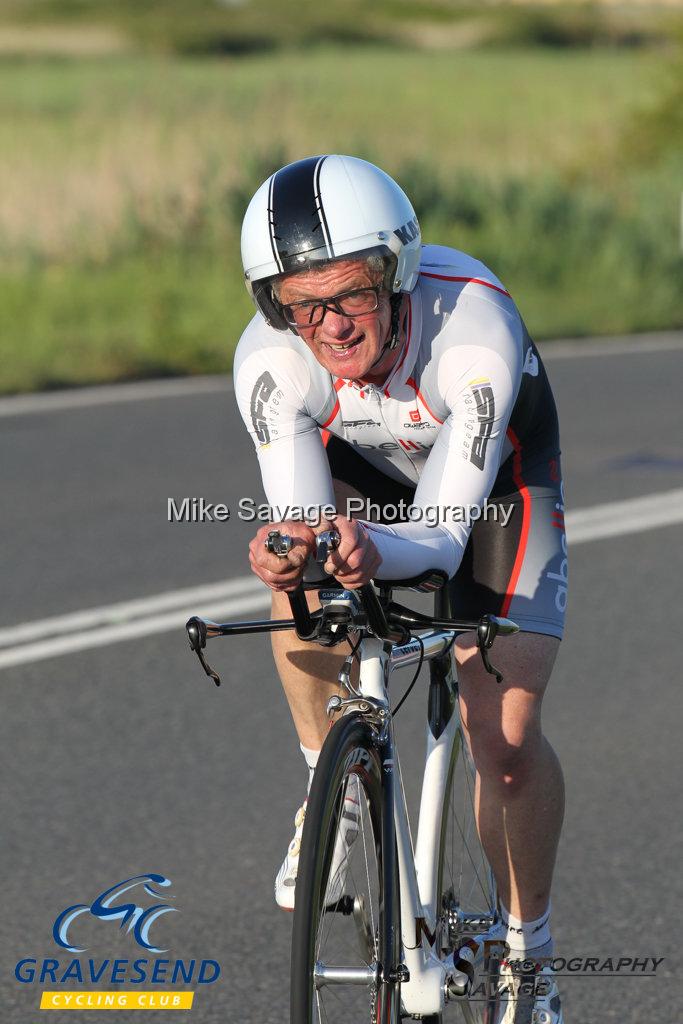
[(271, 398), (482, 384)]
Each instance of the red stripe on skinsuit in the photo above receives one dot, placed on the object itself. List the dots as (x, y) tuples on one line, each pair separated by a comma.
[(419, 394), (474, 280), (526, 520), (338, 385), (332, 415)]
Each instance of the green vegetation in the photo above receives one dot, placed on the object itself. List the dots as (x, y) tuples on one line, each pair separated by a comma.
[(212, 27), (125, 176)]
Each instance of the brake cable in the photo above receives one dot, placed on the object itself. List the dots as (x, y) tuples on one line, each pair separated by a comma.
[(414, 679)]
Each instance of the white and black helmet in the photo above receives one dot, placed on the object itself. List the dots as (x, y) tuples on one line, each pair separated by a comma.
[(325, 208)]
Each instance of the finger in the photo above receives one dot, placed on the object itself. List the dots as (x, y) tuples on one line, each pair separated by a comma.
[(365, 572), (324, 525), (348, 553), (350, 538), (361, 577), (278, 582), (274, 568), (299, 555)]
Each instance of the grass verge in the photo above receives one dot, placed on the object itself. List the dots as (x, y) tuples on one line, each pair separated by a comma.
[(126, 181)]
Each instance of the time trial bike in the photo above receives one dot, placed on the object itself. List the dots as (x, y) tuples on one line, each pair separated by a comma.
[(385, 929)]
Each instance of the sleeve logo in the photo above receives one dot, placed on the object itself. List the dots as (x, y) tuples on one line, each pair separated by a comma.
[(263, 389), (486, 409)]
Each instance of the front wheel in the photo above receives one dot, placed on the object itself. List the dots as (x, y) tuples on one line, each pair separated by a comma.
[(468, 898), (346, 936)]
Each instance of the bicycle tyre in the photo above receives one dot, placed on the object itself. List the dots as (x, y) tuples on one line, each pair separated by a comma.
[(350, 750), (467, 890)]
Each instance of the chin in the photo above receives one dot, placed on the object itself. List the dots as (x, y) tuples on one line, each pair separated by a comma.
[(353, 371)]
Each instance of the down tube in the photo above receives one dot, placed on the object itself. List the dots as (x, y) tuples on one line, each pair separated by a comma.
[(423, 994), (442, 734)]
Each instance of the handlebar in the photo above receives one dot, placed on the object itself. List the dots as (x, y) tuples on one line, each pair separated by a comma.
[(306, 626), (389, 622)]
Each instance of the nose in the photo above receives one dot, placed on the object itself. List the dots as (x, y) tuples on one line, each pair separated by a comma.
[(336, 325)]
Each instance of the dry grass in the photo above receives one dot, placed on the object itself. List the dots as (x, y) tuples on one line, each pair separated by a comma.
[(62, 41), (636, 5), (94, 152), (80, 201), (123, 182)]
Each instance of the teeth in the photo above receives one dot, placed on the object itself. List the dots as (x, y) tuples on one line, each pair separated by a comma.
[(342, 348)]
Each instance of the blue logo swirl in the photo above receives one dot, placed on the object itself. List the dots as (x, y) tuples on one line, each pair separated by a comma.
[(139, 920)]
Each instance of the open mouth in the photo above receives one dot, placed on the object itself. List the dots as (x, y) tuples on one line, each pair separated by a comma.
[(343, 351)]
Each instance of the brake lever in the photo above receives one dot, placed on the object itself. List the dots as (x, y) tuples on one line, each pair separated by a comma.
[(490, 668), (487, 632), (491, 626), (196, 635)]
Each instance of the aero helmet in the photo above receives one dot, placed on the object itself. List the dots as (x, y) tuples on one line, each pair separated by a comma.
[(326, 208)]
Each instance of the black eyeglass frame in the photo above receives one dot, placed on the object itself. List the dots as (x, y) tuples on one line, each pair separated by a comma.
[(330, 303)]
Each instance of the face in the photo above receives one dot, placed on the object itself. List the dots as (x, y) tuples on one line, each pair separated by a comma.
[(346, 346)]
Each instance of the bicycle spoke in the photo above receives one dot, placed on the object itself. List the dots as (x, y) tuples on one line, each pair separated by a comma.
[(347, 930), (467, 888), (466, 826)]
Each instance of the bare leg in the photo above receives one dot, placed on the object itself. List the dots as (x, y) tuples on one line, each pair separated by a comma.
[(520, 788), (309, 676), (308, 672)]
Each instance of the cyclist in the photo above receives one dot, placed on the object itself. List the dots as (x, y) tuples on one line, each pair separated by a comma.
[(377, 368)]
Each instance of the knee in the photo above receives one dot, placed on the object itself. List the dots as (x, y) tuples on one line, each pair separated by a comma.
[(504, 752)]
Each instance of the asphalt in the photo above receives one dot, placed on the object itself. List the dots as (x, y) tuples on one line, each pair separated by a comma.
[(125, 760)]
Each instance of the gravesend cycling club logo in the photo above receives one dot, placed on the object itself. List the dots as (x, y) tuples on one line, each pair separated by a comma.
[(137, 906), (104, 907)]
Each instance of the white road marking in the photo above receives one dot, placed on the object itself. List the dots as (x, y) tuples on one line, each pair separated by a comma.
[(223, 594), (109, 394), (101, 637), (109, 624), (633, 515)]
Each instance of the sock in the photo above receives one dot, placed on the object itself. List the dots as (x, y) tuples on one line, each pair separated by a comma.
[(311, 757), (528, 940)]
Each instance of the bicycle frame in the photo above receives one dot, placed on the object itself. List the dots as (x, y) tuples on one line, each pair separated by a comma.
[(424, 992), (425, 976)]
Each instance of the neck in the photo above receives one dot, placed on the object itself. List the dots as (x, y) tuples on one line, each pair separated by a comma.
[(378, 373)]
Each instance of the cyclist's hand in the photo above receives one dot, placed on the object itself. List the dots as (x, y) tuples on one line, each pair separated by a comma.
[(356, 560), (284, 573)]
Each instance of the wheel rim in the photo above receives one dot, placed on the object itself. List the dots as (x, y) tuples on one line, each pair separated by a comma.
[(345, 986)]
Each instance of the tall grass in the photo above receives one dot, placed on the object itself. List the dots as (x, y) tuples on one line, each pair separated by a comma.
[(124, 183), (230, 27), (99, 154)]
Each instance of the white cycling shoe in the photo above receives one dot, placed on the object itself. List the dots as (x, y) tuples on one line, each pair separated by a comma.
[(286, 879), (520, 1006), (285, 883)]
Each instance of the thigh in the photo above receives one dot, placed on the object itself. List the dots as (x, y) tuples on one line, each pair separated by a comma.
[(515, 562)]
